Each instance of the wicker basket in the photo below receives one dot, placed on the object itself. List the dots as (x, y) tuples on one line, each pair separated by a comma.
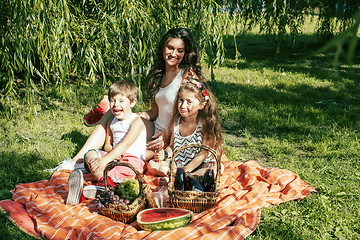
[(193, 200), (125, 213)]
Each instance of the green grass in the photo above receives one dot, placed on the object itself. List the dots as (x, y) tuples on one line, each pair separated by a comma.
[(296, 111), (291, 110)]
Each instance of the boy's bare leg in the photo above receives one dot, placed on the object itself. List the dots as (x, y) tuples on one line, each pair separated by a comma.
[(96, 169)]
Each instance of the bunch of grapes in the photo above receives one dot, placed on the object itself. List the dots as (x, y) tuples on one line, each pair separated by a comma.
[(109, 197), (124, 194), (128, 190)]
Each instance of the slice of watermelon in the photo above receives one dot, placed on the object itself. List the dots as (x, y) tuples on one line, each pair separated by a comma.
[(154, 219)]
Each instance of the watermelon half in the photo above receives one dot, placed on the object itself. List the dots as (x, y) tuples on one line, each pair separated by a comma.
[(154, 219)]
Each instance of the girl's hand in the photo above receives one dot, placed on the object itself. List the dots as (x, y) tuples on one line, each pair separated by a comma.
[(159, 155), (156, 143)]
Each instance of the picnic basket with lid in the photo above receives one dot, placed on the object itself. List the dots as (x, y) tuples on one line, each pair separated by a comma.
[(121, 212), (193, 200)]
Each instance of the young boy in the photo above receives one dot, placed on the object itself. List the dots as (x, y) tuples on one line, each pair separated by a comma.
[(125, 140)]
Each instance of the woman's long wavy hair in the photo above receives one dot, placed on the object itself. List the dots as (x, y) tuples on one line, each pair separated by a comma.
[(208, 116), (189, 62)]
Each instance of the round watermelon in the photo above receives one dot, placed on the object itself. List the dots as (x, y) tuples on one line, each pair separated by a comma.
[(154, 219)]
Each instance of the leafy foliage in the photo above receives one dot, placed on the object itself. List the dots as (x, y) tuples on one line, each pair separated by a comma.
[(347, 38), (50, 42), (47, 42), (279, 16)]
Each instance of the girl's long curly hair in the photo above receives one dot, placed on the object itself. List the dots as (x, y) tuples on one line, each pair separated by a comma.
[(190, 62), (208, 116)]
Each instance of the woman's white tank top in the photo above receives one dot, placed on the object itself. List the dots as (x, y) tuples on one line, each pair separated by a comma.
[(165, 98)]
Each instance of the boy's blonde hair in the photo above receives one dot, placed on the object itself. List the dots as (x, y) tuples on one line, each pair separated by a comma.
[(128, 89)]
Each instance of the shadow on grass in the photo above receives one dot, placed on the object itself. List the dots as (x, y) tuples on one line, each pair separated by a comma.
[(300, 56), (9, 231), (284, 111), (16, 168), (77, 138)]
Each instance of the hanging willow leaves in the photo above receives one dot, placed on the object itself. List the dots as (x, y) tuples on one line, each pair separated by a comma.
[(44, 42), (47, 41)]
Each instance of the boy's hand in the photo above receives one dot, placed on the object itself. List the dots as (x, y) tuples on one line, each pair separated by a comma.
[(97, 165)]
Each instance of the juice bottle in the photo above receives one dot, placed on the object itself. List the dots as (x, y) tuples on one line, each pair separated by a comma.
[(180, 176), (209, 178), (195, 184)]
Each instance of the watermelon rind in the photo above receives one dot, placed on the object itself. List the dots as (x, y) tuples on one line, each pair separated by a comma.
[(167, 224)]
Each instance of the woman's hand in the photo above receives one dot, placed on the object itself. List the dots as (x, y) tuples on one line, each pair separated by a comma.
[(144, 115), (156, 143)]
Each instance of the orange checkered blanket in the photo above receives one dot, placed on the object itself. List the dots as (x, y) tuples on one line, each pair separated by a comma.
[(244, 189)]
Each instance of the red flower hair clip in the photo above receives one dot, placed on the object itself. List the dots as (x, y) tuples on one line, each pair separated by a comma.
[(206, 94)]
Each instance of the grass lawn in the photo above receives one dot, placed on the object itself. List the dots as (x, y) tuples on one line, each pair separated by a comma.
[(290, 110)]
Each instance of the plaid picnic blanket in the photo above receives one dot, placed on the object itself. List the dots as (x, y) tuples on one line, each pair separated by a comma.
[(244, 189)]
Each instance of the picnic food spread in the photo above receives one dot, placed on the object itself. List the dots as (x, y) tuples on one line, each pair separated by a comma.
[(163, 218), (112, 203), (184, 181), (128, 189)]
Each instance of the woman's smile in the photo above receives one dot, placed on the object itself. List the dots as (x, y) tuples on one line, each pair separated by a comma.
[(174, 52)]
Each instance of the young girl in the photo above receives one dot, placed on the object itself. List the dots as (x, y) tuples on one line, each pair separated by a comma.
[(195, 120)]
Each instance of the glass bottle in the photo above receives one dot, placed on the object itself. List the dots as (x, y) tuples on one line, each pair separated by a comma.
[(209, 178), (188, 185), (180, 176)]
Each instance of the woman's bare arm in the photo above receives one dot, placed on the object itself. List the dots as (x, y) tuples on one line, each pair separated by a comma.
[(151, 114)]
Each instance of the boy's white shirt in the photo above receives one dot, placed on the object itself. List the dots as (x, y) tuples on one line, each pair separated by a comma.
[(136, 130)]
